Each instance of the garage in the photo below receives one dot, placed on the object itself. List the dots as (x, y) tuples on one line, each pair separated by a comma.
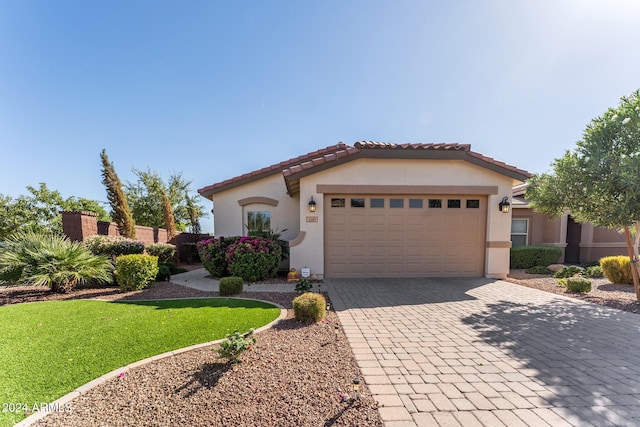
[(405, 235)]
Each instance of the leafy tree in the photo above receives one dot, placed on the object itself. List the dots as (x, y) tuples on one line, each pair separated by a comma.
[(120, 212), (40, 210), (149, 206), (599, 180)]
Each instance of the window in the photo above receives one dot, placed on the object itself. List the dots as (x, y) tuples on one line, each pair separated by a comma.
[(453, 203), (357, 203), (473, 204), (337, 203), (258, 221), (435, 203), (396, 203), (377, 203), (415, 203), (519, 232)]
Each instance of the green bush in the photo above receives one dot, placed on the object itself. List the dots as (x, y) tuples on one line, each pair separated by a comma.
[(617, 269), (569, 271), (137, 271), (190, 253), (309, 307), (235, 344), (164, 251), (164, 273), (576, 284), (231, 286), (113, 246), (254, 258), (538, 269), (530, 256), (304, 285), (30, 258), (588, 264), (595, 271), (212, 253)]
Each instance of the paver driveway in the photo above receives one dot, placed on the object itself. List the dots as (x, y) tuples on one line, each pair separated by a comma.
[(476, 352)]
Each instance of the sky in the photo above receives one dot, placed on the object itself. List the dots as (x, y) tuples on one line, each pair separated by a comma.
[(216, 89)]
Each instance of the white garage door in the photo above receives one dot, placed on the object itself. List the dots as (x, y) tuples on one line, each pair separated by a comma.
[(405, 236)]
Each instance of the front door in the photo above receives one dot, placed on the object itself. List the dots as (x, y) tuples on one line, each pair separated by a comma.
[(572, 251)]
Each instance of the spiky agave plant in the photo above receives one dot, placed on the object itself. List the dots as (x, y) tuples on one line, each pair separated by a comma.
[(30, 258)]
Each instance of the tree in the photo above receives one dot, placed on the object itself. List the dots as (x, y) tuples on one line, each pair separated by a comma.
[(120, 212), (39, 210), (599, 181), (148, 204)]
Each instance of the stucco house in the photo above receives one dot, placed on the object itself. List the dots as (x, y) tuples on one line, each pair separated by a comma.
[(580, 242), (379, 210)]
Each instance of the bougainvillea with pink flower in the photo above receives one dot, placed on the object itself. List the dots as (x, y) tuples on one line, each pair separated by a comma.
[(212, 253), (253, 258)]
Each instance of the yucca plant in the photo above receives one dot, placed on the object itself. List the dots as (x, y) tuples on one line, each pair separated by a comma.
[(30, 258)]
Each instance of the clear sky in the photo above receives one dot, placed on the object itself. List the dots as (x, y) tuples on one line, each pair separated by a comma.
[(216, 89)]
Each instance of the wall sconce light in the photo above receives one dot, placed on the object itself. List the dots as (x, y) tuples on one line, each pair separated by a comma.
[(504, 205), (312, 205)]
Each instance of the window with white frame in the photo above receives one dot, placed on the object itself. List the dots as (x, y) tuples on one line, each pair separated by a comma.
[(258, 221), (519, 232)]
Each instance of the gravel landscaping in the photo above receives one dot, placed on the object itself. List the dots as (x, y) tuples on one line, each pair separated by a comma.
[(293, 375)]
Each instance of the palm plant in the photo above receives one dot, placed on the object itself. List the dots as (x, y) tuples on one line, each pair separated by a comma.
[(30, 258)]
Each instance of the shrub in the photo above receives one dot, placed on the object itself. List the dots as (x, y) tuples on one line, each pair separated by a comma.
[(212, 253), (309, 307), (230, 286), (164, 251), (538, 269), (569, 271), (530, 256), (235, 344), (190, 253), (254, 258), (113, 246), (303, 285), (617, 269), (595, 271), (30, 258), (136, 271), (164, 273), (576, 284), (588, 264)]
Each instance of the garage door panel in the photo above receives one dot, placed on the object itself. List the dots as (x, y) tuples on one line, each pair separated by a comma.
[(399, 242)]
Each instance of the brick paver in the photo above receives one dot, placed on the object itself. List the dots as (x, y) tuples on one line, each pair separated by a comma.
[(446, 352)]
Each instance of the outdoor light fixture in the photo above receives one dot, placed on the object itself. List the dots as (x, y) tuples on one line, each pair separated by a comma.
[(504, 205), (312, 205), (356, 386)]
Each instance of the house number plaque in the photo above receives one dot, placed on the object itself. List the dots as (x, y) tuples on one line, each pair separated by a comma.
[(312, 219)]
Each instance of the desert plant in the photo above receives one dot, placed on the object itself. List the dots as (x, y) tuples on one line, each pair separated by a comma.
[(235, 344), (304, 285), (50, 260), (113, 246), (530, 256), (576, 284), (569, 271), (164, 251), (538, 269), (212, 253), (595, 271), (617, 269), (309, 307), (253, 258), (231, 286), (137, 271)]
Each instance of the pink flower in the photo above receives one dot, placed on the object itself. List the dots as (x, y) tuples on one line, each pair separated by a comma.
[(121, 375)]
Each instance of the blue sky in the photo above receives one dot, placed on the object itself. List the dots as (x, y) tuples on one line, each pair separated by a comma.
[(216, 89)]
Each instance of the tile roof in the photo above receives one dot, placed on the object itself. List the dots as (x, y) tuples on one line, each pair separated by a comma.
[(293, 169)]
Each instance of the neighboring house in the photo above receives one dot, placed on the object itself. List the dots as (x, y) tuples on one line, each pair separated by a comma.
[(581, 242), (379, 210)]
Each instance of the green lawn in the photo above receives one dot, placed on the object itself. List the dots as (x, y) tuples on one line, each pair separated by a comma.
[(48, 349)]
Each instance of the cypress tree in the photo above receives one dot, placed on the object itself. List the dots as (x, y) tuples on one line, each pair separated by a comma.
[(169, 223), (120, 212)]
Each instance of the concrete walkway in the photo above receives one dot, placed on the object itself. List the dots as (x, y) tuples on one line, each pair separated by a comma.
[(476, 352), (198, 279)]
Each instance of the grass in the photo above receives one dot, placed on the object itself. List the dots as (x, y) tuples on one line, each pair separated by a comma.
[(48, 349)]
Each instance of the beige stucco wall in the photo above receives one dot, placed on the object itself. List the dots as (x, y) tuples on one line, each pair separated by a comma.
[(229, 217), (310, 252)]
